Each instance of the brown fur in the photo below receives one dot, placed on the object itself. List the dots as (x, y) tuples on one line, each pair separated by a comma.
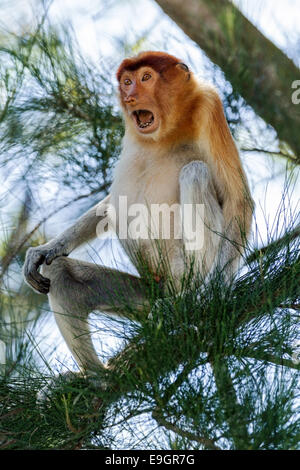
[(175, 93), (186, 156), (191, 112), (158, 61)]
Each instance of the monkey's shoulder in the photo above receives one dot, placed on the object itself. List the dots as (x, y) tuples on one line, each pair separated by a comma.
[(153, 176)]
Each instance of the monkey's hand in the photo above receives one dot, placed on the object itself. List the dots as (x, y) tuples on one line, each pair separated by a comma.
[(35, 257)]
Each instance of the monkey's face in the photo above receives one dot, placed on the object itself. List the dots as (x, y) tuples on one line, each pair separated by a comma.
[(139, 100), (157, 97)]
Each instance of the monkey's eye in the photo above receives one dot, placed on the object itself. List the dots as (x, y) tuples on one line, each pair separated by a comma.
[(146, 77), (127, 81)]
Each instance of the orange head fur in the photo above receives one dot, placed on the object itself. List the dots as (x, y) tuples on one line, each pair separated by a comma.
[(160, 98)]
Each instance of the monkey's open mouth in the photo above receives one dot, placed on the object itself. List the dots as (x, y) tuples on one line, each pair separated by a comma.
[(144, 120)]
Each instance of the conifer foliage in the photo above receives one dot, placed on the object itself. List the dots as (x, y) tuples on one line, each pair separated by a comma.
[(219, 370)]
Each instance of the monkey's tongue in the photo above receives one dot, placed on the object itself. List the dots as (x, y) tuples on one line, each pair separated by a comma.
[(145, 116)]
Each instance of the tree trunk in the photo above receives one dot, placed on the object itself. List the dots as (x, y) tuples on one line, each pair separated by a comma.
[(258, 70)]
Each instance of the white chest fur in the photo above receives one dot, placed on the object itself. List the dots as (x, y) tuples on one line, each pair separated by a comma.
[(149, 179)]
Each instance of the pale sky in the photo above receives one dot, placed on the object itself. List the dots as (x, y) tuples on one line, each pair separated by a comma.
[(277, 19), (97, 26)]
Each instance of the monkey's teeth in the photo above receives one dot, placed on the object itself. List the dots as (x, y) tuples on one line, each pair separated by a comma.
[(142, 125), (146, 124)]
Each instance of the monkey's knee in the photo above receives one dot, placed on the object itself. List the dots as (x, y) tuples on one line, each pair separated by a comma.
[(73, 285), (195, 173), (60, 279)]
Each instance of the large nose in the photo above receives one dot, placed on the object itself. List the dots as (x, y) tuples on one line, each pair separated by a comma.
[(130, 99), (131, 96)]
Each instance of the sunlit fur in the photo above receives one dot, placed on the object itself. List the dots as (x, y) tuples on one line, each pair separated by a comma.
[(191, 114)]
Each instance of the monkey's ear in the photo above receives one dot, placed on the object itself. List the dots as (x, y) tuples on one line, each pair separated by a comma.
[(185, 68)]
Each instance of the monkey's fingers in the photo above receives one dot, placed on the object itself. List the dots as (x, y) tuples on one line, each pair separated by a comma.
[(52, 255), (55, 251), (38, 282)]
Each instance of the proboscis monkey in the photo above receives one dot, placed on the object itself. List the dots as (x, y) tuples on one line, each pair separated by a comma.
[(177, 150)]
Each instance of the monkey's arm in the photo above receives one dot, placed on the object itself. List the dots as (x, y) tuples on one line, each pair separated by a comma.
[(237, 222), (222, 230), (232, 187), (220, 185), (83, 230)]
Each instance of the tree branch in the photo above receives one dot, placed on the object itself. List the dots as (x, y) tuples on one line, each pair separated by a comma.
[(207, 443), (289, 156), (234, 413), (257, 69), (277, 244), (27, 236), (267, 357)]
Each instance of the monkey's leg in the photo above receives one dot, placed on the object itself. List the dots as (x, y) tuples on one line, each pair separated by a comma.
[(77, 288), (196, 188)]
